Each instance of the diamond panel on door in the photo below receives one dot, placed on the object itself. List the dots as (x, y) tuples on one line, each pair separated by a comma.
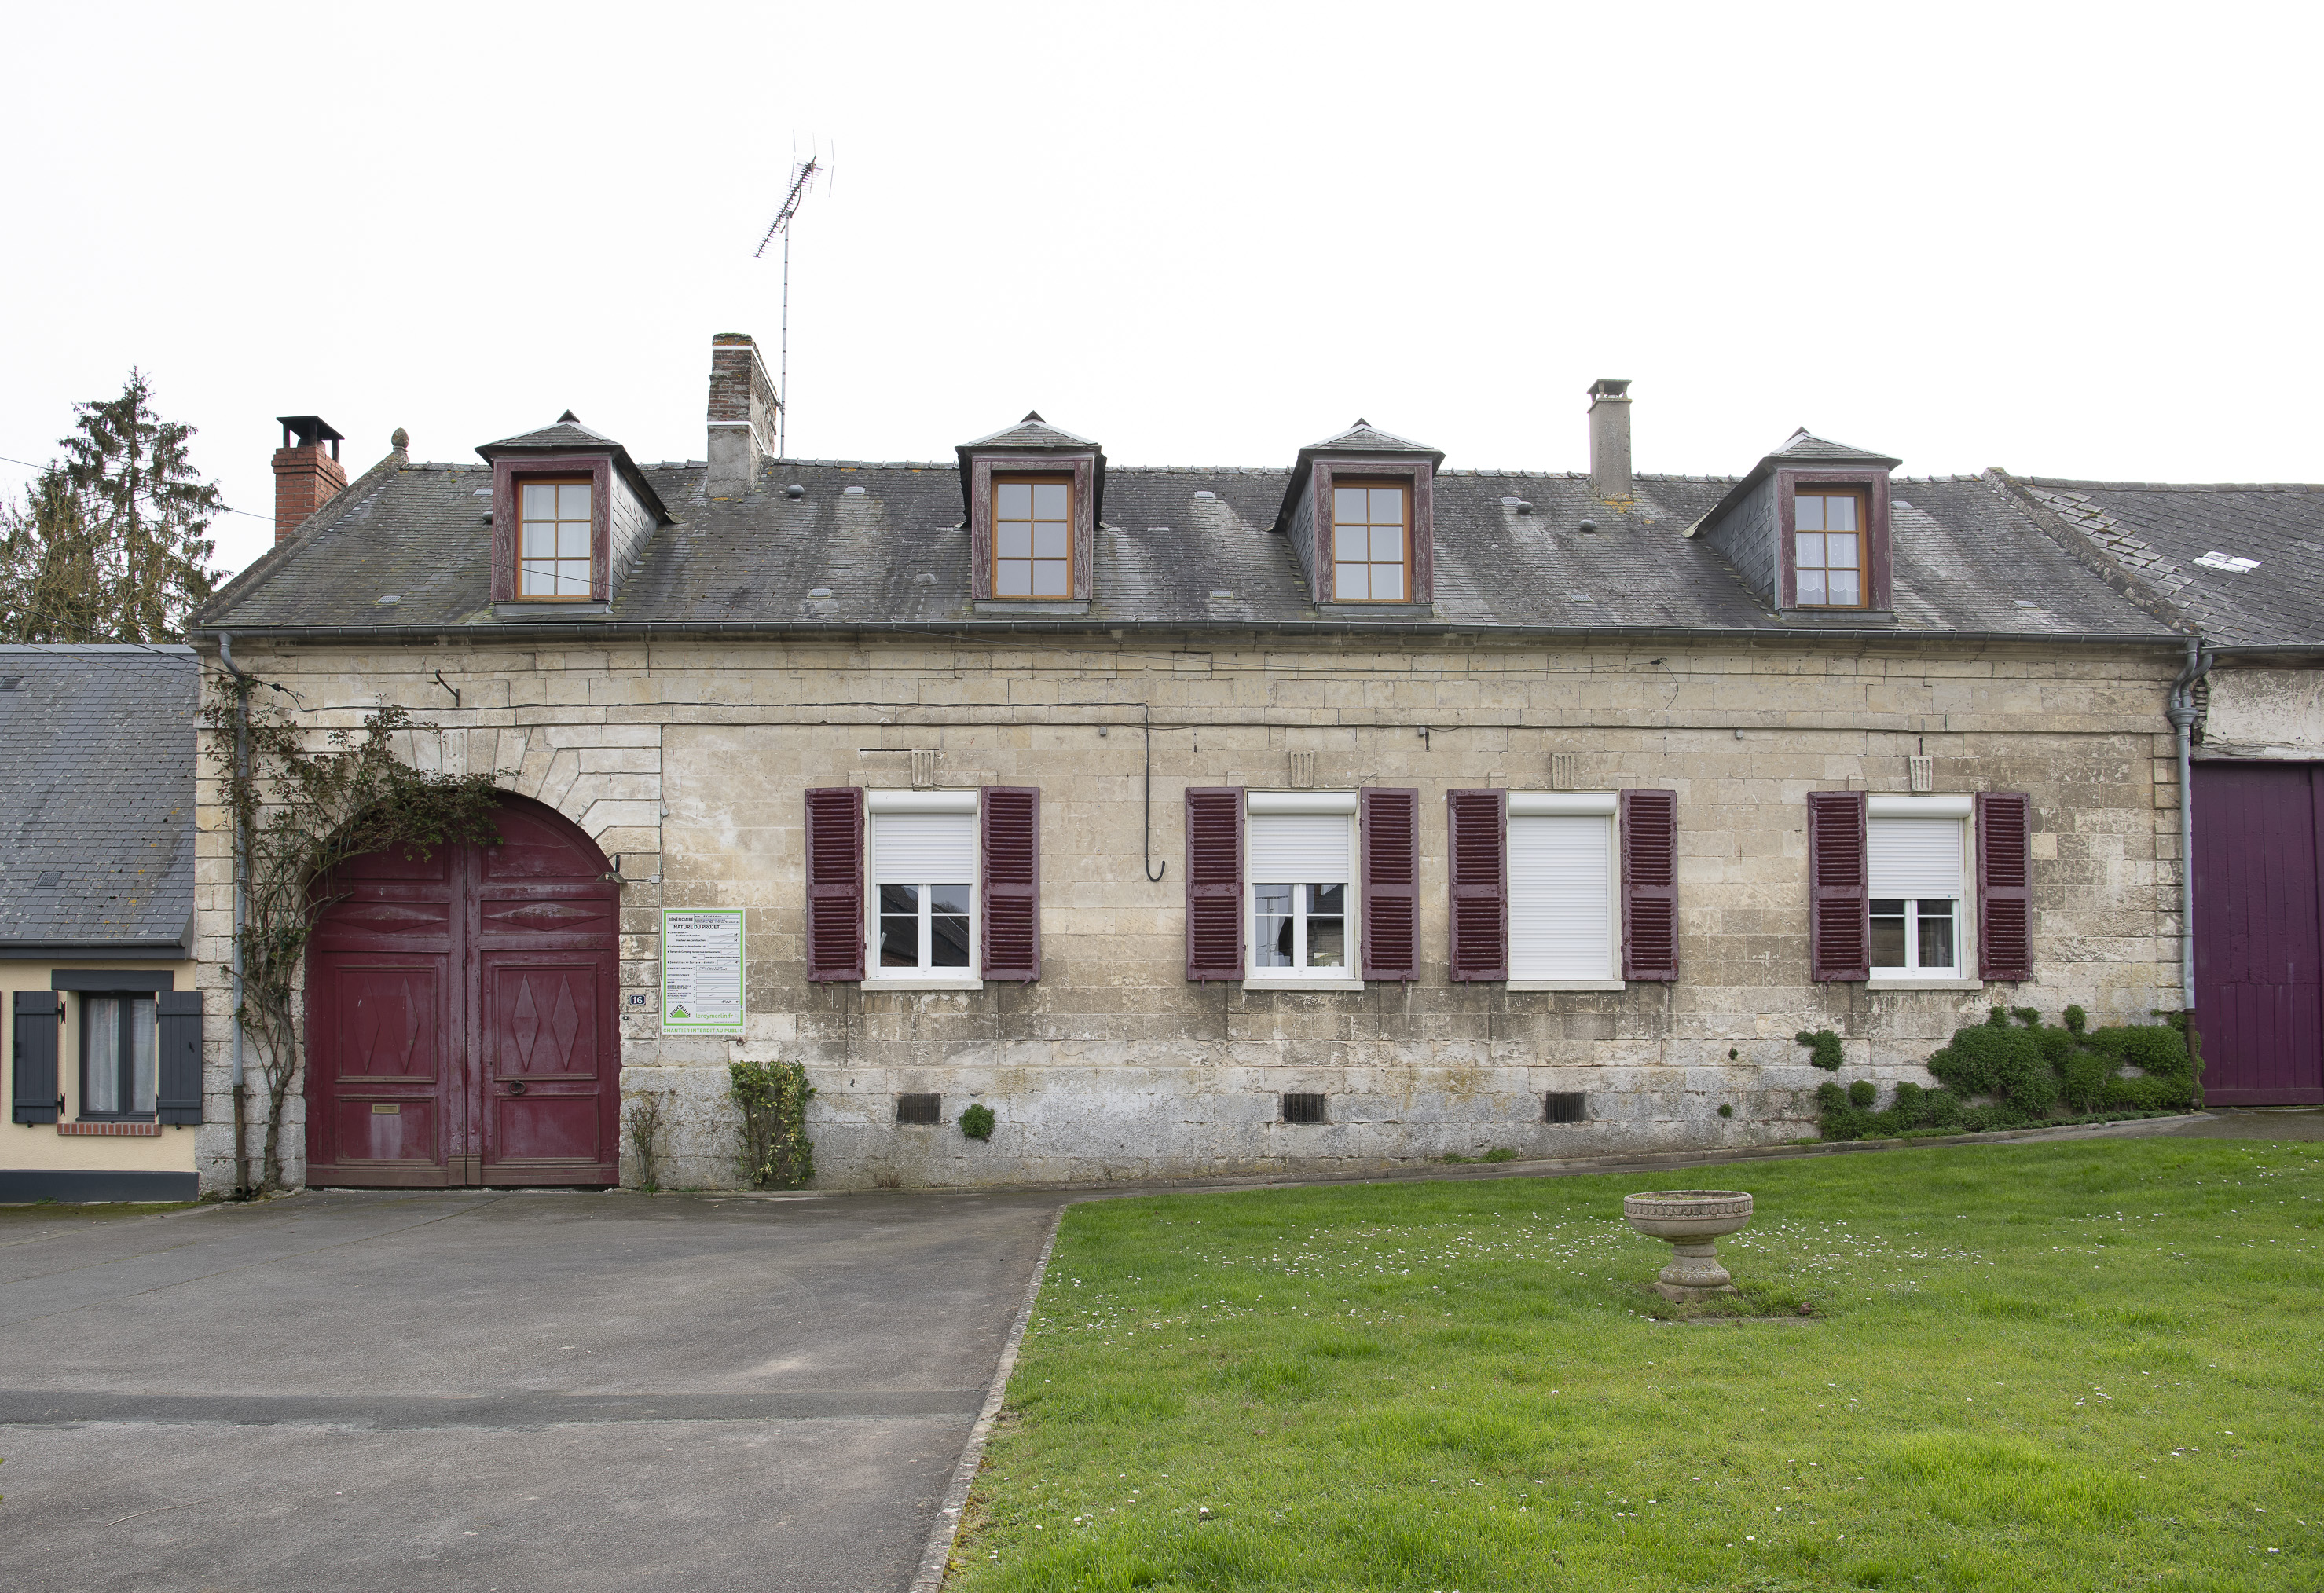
[(549, 1040)]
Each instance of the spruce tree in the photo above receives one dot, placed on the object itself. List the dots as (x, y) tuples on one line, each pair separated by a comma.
[(149, 511), (53, 580)]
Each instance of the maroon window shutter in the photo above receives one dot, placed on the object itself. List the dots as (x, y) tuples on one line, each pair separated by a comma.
[(1477, 871), (1009, 848), (2005, 877), (835, 883), (1649, 884), (1214, 883), (1840, 906), (1391, 882)]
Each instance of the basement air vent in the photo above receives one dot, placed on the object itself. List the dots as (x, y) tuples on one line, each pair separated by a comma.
[(1298, 1108), (920, 1109), (1557, 1106)]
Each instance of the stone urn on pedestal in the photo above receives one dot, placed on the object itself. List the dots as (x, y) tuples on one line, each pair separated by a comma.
[(1692, 1221)]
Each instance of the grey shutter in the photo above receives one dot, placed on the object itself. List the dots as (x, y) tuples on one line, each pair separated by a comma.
[(178, 1084), (32, 1089)]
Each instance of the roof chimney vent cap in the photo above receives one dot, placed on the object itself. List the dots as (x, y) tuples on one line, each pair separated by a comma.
[(309, 430), (1611, 387)]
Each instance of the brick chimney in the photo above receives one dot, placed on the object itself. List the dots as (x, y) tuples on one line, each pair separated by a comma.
[(743, 408), (1610, 437), (305, 476)]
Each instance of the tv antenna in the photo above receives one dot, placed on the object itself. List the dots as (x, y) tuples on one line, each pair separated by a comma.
[(803, 176)]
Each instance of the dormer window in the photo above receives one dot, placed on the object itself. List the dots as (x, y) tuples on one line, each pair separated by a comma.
[(1033, 537), (553, 536), (1827, 548), (1371, 542)]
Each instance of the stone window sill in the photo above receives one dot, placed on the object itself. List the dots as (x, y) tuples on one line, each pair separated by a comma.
[(923, 984), (1925, 984), (1303, 984), (1567, 984)]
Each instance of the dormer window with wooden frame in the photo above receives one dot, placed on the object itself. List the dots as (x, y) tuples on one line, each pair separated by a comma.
[(1830, 530), (571, 516), (1031, 497), (1033, 537), (555, 527), (1807, 531), (1360, 512), (1372, 541)]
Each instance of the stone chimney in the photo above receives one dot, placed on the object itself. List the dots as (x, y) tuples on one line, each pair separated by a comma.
[(305, 476), (1610, 437), (743, 408)]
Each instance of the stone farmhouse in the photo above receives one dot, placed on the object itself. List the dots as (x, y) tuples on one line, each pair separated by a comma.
[(1338, 813)]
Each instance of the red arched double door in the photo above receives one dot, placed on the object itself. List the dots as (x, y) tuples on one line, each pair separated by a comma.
[(461, 1023)]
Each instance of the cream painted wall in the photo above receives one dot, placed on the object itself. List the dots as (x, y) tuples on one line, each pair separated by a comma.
[(39, 1145), (2265, 713)]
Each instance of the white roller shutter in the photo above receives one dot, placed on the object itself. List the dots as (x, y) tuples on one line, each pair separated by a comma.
[(1301, 849), (923, 849), (1920, 858), (1561, 897)]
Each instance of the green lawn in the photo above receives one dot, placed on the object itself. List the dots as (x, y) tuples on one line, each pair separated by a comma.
[(2064, 1366)]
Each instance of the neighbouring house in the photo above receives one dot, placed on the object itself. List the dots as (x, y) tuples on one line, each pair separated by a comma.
[(1341, 812), (2243, 566), (97, 921)]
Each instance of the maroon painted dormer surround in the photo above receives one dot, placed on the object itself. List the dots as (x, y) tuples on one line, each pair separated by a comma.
[(1420, 474), (1877, 557), (507, 475)]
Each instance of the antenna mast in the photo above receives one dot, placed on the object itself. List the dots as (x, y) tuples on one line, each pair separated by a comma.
[(802, 174)]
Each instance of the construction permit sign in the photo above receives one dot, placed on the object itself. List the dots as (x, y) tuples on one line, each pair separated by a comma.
[(702, 971)]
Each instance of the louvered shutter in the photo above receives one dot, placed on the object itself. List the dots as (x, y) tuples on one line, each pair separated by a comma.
[(178, 1091), (1391, 882), (835, 883), (1840, 908), (2004, 878), (1477, 871), (33, 1087), (1650, 885), (1214, 883), (1009, 848)]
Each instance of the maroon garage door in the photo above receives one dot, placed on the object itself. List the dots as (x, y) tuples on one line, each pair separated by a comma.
[(460, 1015), (2259, 932)]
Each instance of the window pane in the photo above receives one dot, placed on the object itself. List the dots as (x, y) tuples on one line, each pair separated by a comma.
[(1050, 499), (1049, 540), (1388, 544), (1014, 539), (1808, 514), (1327, 899), (573, 503), (1844, 590), (540, 503), (1272, 899), (1839, 514), (1348, 505), (1387, 583), (1840, 553), (1327, 943), (1014, 578), (1811, 552), (1887, 942), (948, 899), (1812, 586), (540, 539), (900, 941), (1271, 944), (572, 540), (100, 1021), (1348, 584), (572, 578), (899, 898), (1013, 499), (947, 942), (539, 580), (1049, 578), (1936, 934), (1387, 506), (1350, 542), (142, 1054)]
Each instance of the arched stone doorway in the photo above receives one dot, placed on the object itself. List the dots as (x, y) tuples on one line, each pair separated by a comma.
[(461, 1021)]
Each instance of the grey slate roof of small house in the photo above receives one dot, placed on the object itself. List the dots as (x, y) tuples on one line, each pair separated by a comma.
[(97, 798), (1967, 555), (2156, 533)]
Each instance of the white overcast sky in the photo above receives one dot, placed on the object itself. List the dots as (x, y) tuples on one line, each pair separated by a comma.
[(2072, 240)]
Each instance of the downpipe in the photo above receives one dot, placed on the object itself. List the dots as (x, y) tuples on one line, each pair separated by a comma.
[(2182, 714), (241, 776)]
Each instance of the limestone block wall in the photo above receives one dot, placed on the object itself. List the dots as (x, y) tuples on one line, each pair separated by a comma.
[(690, 761), (2265, 713)]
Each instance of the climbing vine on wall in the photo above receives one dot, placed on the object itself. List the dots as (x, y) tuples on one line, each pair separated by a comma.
[(302, 809)]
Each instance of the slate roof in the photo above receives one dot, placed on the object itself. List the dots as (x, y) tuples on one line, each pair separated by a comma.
[(885, 542), (2158, 534), (1800, 445), (96, 799), (1031, 432)]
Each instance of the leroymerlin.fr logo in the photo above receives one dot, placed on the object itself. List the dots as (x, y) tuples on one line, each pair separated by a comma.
[(680, 1012)]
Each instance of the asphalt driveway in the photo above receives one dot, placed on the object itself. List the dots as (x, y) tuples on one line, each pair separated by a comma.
[(498, 1391)]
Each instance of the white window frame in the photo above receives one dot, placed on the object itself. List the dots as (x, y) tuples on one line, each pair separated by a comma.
[(1526, 805), (1958, 809), (876, 805), (1348, 974)]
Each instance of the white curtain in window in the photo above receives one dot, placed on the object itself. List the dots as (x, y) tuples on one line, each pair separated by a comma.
[(1919, 858), (923, 848), (1300, 849), (1561, 884)]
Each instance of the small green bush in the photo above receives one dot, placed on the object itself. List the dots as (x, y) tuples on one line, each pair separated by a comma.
[(1824, 1049), (976, 1122), (1725, 1110), (1863, 1092), (773, 1096)]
